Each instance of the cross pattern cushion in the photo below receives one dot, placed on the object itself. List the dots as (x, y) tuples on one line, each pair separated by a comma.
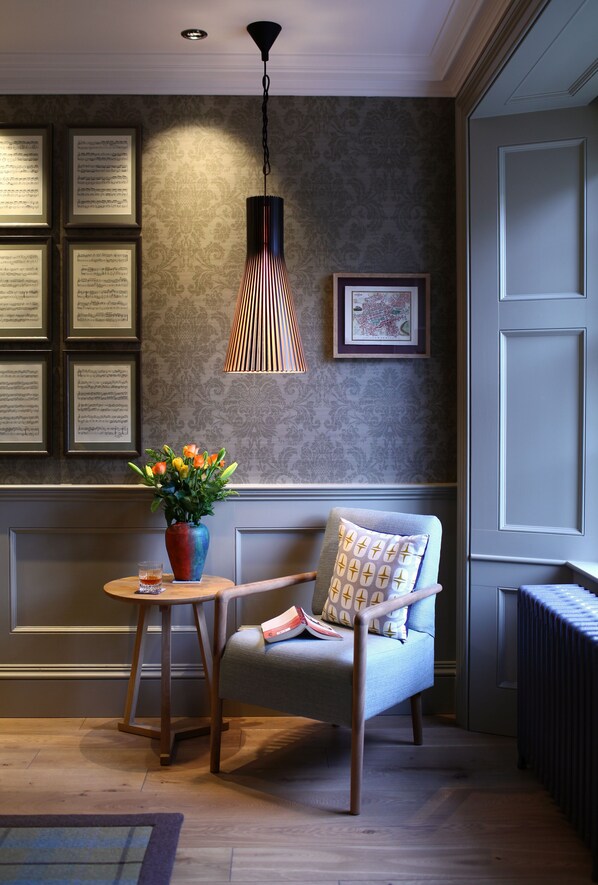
[(372, 567)]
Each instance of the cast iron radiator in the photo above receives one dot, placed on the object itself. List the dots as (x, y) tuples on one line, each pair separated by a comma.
[(557, 699)]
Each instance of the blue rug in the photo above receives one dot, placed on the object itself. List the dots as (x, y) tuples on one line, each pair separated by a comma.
[(128, 849)]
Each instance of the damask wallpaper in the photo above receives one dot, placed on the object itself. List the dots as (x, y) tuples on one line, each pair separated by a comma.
[(368, 186)]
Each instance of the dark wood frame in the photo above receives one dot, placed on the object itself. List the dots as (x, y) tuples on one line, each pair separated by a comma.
[(343, 281), (100, 220), (33, 356), (44, 334), (129, 334), (44, 218), (130, 447)]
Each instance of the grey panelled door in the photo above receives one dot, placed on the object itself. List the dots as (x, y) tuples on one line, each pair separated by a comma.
[(533, 392)]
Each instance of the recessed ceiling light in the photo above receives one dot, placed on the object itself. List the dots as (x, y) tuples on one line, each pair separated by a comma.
[(194, 34)]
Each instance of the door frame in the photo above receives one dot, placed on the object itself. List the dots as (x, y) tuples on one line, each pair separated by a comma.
[(517, 21)]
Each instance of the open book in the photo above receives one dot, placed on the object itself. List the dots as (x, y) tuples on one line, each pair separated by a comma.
[(294, 622)]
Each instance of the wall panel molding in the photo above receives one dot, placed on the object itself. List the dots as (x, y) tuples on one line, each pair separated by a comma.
[(506, 673), (59, 633), (542, 375), (106, 671), (559, 185), (248, 492)]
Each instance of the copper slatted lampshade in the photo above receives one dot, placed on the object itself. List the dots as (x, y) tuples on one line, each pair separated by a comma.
[(265, 335)]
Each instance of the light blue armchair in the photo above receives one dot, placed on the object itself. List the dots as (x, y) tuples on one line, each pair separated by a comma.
[(345, 682)]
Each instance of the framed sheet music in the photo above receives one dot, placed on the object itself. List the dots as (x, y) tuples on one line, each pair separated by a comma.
[(103, 403), (25, 402), (25, 176), (104, 173), (25, 288), (102, 289)]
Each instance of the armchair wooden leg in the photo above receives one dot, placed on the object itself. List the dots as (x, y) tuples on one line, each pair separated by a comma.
[(357, 736), (215, 733), (416, 718)]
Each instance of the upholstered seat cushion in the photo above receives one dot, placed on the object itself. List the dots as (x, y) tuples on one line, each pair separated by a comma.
[(313, 677)]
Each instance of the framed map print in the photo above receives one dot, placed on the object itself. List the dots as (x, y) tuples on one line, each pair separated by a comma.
[(381, 315)]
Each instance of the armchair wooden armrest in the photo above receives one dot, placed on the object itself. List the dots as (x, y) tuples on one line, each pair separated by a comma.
[(223, 597), (361, 626), (363, 617)]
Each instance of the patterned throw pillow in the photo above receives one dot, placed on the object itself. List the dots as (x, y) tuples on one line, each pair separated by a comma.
[(371, 567)]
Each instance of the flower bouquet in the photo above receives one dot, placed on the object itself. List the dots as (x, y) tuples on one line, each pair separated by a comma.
[(186, 487)]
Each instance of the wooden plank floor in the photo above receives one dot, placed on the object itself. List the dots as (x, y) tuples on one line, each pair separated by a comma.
[(455, 811)]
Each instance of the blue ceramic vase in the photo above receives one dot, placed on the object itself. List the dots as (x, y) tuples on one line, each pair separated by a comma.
[(187, 548)]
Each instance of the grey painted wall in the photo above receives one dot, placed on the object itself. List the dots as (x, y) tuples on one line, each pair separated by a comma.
[(368, 187)]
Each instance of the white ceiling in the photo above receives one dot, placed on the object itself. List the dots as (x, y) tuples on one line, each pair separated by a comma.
[(326, 47)]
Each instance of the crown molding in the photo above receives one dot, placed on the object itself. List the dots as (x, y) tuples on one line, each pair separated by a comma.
[(171, 74), (468, 49)]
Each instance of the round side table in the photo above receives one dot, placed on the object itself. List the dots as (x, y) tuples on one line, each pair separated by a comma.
[(194, 594)]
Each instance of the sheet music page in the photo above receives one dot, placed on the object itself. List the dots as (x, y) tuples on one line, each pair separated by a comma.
[(21, 402), (102, 281), (21, 174), (21, 288), (102, 402), (102, 174)]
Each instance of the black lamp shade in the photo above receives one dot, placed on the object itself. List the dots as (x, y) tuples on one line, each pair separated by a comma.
[(265, 335)]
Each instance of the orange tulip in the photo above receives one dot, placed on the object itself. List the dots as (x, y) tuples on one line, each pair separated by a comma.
[(199, 461), (159, 468), (212, 459), (189, 451)]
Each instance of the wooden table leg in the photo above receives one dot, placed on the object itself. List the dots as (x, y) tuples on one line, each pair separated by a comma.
[(136, 665), (129, 723), (205, 647), (166, 735)]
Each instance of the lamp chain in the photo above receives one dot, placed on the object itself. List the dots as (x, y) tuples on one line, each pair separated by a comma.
[(266, 87)]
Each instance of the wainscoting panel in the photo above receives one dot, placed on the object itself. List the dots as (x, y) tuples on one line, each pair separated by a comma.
[(542, 199), (267, 552), (66, 647), (539, 369), (53, 570), (493, 636)]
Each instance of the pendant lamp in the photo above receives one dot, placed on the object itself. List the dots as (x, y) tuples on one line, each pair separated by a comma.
[(265, 335)]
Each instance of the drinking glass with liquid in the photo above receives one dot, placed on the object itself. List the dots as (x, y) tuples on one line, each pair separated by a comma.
[(150, 577)]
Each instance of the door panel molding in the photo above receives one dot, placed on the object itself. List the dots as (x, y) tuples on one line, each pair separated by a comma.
[(542, 475)]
